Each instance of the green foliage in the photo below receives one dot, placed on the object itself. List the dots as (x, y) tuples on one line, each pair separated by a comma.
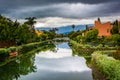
[(79, 38), (91, 35), (24, 48), (24, 35), (115, 29), (12, 49), (4, 51), (30, 21), (53, 30), (73, 26), (14, 32), (7, 28), (46, 35), (116, 39), (73, 35), (107, 65)]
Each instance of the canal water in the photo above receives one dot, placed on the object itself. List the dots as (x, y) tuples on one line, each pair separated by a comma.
[(56, 64)]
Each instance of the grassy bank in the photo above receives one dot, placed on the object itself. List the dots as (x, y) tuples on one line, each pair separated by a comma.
[(4, 52), (45, 47), (108, 66), (100, 60), (87, 50)]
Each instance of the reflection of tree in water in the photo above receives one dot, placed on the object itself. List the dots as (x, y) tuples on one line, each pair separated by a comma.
[(27, 64), (55, 50), (22, 66), (9, 71)]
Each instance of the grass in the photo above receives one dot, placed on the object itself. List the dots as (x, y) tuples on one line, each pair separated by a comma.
[(108, 66)]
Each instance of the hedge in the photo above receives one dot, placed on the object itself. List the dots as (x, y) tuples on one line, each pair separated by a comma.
[(23, 48), (109, 66)]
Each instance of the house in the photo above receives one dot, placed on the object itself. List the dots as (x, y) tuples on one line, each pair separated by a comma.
[(103, 28)]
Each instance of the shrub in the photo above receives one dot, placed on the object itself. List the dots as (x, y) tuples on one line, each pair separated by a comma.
[(107, 65), (116, 39), (100, 46), (4, 51), (27, 47), (91, 35), (12, 49)]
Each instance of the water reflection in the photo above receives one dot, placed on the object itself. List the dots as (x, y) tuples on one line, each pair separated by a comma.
[(59, 65), (20, 66), (54, 64)]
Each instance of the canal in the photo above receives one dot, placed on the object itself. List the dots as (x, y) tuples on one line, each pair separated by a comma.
[(56, 64)]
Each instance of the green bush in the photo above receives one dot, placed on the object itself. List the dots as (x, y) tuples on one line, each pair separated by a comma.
[(99, 46), (22, 49), (91, 35), (27, 47), (4, 51), (116, 39), (12, 49), (107, 65)]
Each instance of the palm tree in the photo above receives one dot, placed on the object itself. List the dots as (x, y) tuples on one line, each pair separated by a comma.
[(73, 26), (54, 30), (31, 21), (86, 27)]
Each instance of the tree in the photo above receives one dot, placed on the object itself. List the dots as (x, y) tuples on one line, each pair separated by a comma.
[(31, 21), (86, 27), (12, 32), (99, 20), (7, 29), (23, 34), (115, 29), (73, 26), (79, 38), (91, 35), (116, 39), (53, 30)]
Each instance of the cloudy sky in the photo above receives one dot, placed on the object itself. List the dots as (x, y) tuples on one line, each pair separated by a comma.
[(54, 13)]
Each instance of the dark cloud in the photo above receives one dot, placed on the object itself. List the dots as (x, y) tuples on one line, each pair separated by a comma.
[(53, 8), (6, 4)]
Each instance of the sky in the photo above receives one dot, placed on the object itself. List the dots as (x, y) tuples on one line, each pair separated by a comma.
[(55, 13)]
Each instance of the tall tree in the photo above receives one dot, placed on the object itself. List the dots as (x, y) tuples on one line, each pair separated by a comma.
[(99, 20), (86, 27), (115, 28), (53, 30), (73, 27), (31, 21)]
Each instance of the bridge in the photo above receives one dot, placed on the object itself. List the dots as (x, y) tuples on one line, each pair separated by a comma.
[(61, 39)]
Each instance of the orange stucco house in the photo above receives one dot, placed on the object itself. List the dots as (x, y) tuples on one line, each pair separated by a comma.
[(103, 28)]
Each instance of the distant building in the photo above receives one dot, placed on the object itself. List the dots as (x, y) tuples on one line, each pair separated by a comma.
[(103, 28)]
